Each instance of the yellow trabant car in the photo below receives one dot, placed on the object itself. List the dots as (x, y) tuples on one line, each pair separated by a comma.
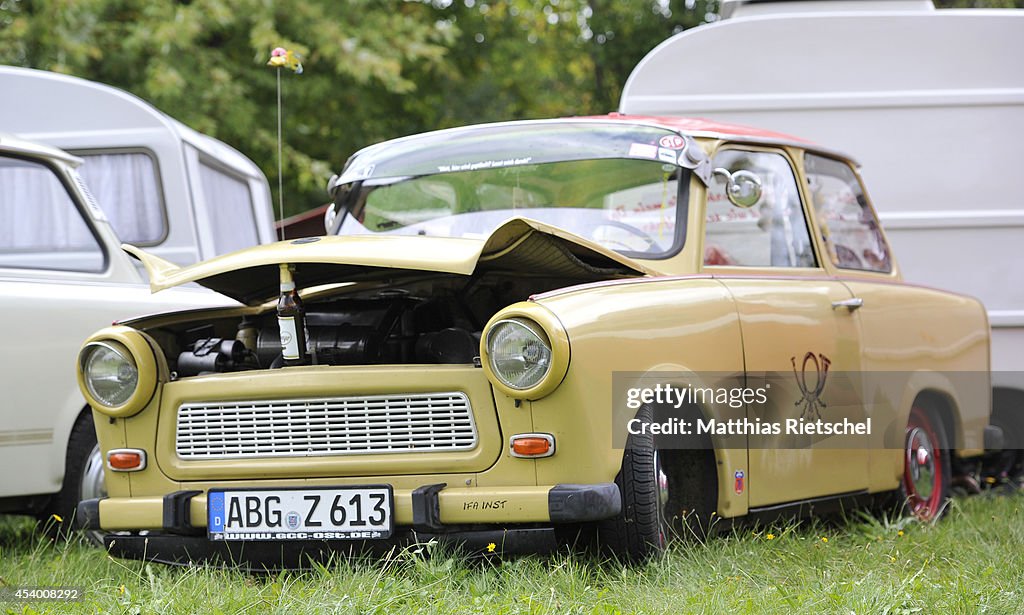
[(518, 332)]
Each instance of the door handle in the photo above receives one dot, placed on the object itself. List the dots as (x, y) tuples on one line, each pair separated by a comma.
[(849, 304)]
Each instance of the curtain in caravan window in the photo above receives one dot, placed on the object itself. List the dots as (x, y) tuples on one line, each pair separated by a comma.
[(125, 185), (230, 208), (40, 225)]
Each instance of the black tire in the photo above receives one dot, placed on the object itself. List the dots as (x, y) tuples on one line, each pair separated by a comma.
[(664, 493), (925, 488), (640, 530), (82, 479), (1007, 466)]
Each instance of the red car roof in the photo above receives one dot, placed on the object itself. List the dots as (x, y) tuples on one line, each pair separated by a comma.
[(697, 124)]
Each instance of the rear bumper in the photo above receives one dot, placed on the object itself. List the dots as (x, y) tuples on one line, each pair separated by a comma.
[(426, 509)]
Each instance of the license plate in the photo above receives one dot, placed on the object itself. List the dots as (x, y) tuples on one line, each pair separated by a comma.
[(349, 513)]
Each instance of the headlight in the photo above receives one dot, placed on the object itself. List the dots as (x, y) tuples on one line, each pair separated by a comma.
[(117, 371), (525, 351), (519, 354), (109, 373)]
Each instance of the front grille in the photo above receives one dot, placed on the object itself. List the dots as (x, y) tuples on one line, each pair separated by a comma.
[(368, 425)]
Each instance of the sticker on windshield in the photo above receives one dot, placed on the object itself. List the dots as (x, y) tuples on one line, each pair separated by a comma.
[(672, 142), (667, 155), (487, 164), (642, 150)]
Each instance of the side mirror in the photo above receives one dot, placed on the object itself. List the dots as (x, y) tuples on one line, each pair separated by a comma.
[(329, 217), (742, 187)]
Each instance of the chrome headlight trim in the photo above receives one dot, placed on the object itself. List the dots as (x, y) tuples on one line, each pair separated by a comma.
[(535, 342), (543, 324), (133, 347)]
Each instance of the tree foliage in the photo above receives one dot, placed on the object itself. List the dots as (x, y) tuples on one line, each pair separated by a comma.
[(373, 70), (204, 62)]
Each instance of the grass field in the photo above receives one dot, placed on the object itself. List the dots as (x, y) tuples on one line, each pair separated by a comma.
[(971, 562)]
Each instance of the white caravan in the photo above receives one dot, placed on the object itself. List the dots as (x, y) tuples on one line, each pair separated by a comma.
[(930, 102), (180, 194), (62, 274)]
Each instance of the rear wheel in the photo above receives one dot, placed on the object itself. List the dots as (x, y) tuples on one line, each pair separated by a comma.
[(925, 487)]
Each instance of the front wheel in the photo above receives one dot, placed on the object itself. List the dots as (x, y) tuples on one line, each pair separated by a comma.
[(641, 529), (83, 480), (925, 488)]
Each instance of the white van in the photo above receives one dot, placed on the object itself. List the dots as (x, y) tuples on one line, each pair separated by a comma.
[(157, 183), (62, 274), (930, 102), (180, 194)]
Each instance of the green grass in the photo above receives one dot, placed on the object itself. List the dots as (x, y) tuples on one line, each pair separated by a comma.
[(970, 562)]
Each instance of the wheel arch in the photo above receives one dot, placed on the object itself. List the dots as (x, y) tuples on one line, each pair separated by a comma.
[(943, 405), (720, 462), (959, 399)]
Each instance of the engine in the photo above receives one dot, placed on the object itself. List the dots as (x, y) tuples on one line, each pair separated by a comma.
[(392, 328)]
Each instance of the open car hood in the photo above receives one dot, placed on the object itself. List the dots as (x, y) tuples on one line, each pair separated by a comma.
[(520, 245)]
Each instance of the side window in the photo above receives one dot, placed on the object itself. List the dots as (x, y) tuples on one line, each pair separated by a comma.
[(126, 186), (849, 228), (41, 227), (772, 233), (229, 203)]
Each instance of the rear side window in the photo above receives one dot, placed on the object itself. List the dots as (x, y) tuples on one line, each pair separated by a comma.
[(230, 207), (127, 187), (42, 227), (772, 233), (849, 229)]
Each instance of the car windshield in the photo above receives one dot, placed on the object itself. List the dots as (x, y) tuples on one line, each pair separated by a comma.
[(612, 185)]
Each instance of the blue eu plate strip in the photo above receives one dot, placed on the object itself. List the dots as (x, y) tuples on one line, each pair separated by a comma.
[(215, 511)]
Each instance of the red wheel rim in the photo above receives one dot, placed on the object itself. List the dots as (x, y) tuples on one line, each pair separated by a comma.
[(922, 467)]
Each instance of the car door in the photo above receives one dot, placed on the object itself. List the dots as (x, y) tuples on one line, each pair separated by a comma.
[(799, 330)]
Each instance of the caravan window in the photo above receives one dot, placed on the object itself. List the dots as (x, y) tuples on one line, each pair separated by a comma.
[(127, 187), (230, 208), (42, 226)]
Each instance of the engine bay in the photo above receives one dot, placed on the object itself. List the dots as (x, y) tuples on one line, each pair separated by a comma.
[(436, 321)]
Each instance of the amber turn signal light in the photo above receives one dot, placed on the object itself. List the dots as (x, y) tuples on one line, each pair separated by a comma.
[(532, 445), (126, 460)]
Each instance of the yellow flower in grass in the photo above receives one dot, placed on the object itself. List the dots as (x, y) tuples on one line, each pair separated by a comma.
[(491, 547), (899, 533), (770, 536), (824, 539), (58, 518)]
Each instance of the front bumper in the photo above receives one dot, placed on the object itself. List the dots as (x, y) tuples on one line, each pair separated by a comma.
[(420, 514), (261, 556)]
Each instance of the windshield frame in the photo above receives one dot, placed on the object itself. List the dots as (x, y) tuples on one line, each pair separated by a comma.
[(523, 143), (355, 199)]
